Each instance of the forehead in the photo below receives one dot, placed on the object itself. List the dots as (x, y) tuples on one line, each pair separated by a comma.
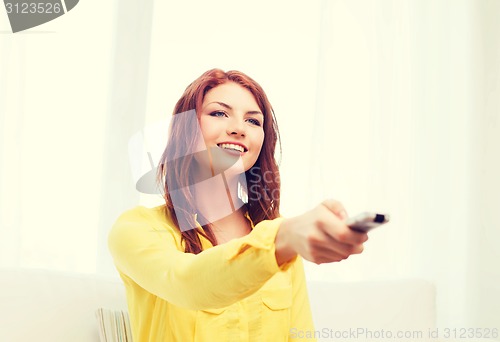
[(233, 95)]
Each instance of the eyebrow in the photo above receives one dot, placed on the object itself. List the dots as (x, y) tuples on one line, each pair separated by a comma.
[(230, 108)]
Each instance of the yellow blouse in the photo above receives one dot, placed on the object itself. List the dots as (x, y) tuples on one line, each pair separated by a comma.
[(231, 292)]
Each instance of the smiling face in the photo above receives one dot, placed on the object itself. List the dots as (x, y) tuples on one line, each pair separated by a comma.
[(220, 111), (232, 126)]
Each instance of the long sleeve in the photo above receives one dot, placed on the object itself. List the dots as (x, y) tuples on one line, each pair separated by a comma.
[(301, 323), (147, 249)]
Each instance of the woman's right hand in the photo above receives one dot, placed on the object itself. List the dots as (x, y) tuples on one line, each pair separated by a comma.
[(319, 235)]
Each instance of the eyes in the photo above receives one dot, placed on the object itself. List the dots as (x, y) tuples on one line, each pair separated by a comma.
[(218, 113), (221, 114)]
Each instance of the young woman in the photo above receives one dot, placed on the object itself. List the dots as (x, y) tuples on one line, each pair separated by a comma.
[(217, 262)]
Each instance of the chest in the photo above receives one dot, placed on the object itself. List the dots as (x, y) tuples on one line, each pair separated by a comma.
[(230, 230), (262, 316)]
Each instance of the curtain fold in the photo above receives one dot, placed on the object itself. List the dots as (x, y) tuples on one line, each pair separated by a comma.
[(11, 133), (126, 116)]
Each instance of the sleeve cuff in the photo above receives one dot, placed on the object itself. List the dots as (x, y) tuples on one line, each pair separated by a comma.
[(261, 238)]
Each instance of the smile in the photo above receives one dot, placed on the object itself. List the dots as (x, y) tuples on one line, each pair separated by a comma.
[(232, 147)]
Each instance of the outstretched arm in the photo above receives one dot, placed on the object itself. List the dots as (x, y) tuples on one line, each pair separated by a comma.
[(145, 249)]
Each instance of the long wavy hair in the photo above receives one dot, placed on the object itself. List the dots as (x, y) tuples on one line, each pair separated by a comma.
[(264, 197)]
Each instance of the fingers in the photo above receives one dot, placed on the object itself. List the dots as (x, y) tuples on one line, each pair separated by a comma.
[(334, 225), (335, 207), (325, 254), (348, 236), (324, 257), (321, 235), (330, 246)]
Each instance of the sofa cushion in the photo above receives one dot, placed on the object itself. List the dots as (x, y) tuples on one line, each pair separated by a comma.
[(359, 310), (47, 306)]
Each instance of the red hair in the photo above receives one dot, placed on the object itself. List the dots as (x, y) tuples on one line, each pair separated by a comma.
[(263, 200)]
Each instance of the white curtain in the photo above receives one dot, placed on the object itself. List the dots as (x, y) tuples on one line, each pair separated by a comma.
[(389, 106), (407, 122), (72, 92)]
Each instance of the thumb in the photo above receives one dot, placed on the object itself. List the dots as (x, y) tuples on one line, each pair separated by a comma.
[(335, 207)]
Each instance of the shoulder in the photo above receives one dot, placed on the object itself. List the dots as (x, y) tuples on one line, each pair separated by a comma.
[(143, 214), (139, 221)]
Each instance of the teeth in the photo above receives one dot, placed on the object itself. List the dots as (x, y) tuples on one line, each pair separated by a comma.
[(232, 147)]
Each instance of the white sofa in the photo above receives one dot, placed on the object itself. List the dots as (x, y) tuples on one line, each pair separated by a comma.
[(48, 306), (60, 307), (377, 310)]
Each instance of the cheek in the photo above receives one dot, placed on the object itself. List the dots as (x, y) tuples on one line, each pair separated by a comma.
[(209, 130)]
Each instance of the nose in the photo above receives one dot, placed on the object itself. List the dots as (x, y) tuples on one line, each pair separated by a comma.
[(236, 127)]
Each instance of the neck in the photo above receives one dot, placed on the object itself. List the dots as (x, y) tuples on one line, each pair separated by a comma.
[(217, 197)]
